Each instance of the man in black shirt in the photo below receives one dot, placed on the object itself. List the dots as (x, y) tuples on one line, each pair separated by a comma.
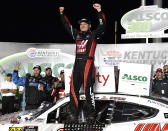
[(60, 86), (34, 85), (160, 85), (51, 83)]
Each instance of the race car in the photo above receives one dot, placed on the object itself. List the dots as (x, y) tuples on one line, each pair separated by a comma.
[(114, 111)]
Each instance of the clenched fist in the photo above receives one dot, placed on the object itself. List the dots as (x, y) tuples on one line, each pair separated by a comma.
[(97, 7), (61, 10)]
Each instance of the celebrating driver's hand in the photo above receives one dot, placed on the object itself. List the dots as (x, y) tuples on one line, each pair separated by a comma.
[(97, 7), (61, 9)]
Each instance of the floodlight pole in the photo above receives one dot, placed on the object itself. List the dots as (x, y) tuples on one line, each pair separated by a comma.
[(115, 32), (143, 2)]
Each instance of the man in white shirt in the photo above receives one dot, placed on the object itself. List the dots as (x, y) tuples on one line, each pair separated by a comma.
[(8, 90)]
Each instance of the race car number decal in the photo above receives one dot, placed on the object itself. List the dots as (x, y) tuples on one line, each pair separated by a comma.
[(151, 127), (15, 129)]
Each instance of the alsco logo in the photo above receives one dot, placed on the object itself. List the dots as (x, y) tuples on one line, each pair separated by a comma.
[(135, 78), (145, 19)]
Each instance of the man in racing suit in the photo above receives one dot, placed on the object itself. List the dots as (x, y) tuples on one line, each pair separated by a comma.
[(84, 63)]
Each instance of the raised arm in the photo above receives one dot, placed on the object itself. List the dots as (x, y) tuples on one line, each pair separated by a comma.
[(102, 20), (67, 24), (16, 79)]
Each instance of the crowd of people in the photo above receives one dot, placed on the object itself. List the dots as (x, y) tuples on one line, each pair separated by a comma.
[(35, 88), (160, 82)]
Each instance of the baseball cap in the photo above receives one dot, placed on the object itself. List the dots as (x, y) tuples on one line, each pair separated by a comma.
[(48, 68), (62, 71), (84, 20), (9, 75), (159, 70), (37, 66)]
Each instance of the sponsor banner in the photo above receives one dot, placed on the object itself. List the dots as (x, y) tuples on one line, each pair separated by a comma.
[(57, 57), (54, 58), (145, 22), (104, 82), (112, 55), (34, 53), (60, 57), (135, 79)]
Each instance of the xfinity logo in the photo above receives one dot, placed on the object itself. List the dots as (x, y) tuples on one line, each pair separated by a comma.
[(135, 78)]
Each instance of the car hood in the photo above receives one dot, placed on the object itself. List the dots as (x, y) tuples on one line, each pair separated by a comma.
[(16, 117), (26, 116)]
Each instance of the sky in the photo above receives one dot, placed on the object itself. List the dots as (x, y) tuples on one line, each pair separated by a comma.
[(38, 21)]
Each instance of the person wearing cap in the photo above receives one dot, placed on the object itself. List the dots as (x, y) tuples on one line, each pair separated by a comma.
[(8, 90), (158, 74), (51, 83), (60, 86), (165, 72), (86, 41), (62, 81), (34, 86), (160, 85)]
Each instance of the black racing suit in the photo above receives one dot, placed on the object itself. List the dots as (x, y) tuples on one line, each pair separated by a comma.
[(160, 87), (49, 82), (84, 63)]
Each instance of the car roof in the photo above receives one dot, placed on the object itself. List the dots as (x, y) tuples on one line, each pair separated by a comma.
[(153, 97)]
